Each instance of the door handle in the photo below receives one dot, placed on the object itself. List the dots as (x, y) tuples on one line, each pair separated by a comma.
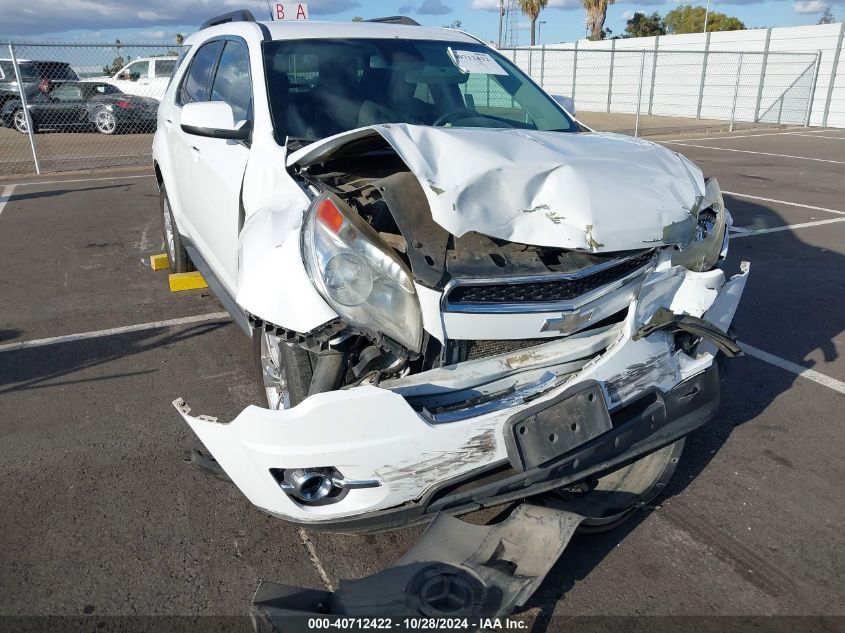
[(168, 123), (195, 152)]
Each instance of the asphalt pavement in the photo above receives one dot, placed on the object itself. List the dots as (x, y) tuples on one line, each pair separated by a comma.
[(101, 516)]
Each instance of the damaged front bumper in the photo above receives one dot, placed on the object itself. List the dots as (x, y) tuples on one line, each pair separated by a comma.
[(489, 431)]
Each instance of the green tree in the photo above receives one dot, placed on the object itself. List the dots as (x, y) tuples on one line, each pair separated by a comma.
[(357, 18), (116, 64), (689, 19), (642, 25), (456, 24), (180, 39), (596, 14), (531, 9), (827, 17)]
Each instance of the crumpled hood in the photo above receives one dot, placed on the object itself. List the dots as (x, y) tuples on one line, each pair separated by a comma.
[(594, 191)]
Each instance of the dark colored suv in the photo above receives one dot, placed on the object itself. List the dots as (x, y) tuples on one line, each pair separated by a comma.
[(38, 75)]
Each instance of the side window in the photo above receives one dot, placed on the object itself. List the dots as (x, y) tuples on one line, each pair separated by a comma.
[(231, 83), (196, 85), (164, 67), (136, 71), (183, 53), (67, 92)]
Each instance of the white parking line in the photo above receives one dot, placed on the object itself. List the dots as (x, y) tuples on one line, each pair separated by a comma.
[(835, 138), (798, 370), (140, 327), (747, 151), (791, 204), (724, 136), (746, 232), (6, 196), (315, 560), (59, 182)]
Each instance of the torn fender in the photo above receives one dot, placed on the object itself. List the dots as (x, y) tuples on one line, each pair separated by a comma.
[(272, 281), (590, 191)]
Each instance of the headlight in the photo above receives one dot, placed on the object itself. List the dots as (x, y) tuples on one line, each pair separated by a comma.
[(710, 240), (358, 275)]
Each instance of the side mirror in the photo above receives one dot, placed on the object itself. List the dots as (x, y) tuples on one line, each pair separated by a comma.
[(213, 119), (567, 103)]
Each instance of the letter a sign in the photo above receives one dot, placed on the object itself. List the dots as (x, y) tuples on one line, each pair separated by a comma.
[(290, 11)]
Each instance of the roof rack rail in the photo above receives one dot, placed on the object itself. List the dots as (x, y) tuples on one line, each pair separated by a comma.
[(395, 19), (241, 15)]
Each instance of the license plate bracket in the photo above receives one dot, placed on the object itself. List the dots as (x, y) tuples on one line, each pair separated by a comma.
[(550, 429)]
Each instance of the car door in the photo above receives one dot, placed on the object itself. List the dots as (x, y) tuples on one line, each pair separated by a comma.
[(215, 169), (63, 107)]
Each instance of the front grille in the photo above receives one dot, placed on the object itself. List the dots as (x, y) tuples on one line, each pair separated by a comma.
[(550, 291), (484, 348)]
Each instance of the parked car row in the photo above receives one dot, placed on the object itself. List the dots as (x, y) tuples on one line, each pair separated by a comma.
[(57, 99), (82, 105)]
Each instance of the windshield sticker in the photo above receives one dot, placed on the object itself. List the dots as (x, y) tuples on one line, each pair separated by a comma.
[(472, 62)]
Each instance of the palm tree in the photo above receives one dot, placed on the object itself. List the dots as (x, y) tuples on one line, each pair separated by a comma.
[(531, 9), (180, 39), (596, 13)]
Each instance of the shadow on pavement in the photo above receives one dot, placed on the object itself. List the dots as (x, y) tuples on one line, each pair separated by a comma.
[(39, 367)]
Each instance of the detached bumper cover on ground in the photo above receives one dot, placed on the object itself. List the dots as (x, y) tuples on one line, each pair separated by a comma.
[(607, 398)]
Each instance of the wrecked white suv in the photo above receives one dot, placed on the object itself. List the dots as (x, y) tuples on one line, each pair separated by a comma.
[(457, 294)]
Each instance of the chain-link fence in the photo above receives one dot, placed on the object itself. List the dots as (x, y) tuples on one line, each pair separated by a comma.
[(654, 92), (79, 106)]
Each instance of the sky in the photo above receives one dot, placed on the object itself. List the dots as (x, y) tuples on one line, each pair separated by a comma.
[(154, 21)]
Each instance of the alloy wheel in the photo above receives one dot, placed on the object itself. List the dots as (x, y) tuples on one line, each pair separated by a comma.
[(169, 237), (273, 372), (105, 122), (19, 121)]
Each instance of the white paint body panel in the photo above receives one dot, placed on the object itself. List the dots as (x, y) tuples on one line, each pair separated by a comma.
[(373, 433)]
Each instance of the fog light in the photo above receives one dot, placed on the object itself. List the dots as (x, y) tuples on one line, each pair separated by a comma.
[(309, 485), (318, 486)]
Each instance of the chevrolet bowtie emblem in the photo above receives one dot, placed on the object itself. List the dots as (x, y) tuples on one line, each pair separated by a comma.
[(567, 323)]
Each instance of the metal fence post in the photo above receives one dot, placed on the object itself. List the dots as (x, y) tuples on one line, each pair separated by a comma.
[(833, 70), (736, 91), (813, 89), (765, 63), (610, 77), (703, 74), (542, 66), (639, 96), (531, 62), (22, 92), (574, 71), (653, 73)]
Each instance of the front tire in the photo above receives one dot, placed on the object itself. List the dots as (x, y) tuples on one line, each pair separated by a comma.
[(284, 372), (176, 253), (19, 121), (105, 122)]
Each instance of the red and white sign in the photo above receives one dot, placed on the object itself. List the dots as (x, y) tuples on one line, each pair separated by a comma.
[(291, 11)]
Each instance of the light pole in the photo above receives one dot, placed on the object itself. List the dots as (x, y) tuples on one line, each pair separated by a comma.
[(501, 18), (540, 30), (706, 15)]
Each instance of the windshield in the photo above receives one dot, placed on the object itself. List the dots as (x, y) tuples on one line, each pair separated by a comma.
[(47, 70), (322, 87)]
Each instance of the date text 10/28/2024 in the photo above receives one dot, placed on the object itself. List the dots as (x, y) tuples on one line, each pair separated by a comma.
[(414, 623)]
